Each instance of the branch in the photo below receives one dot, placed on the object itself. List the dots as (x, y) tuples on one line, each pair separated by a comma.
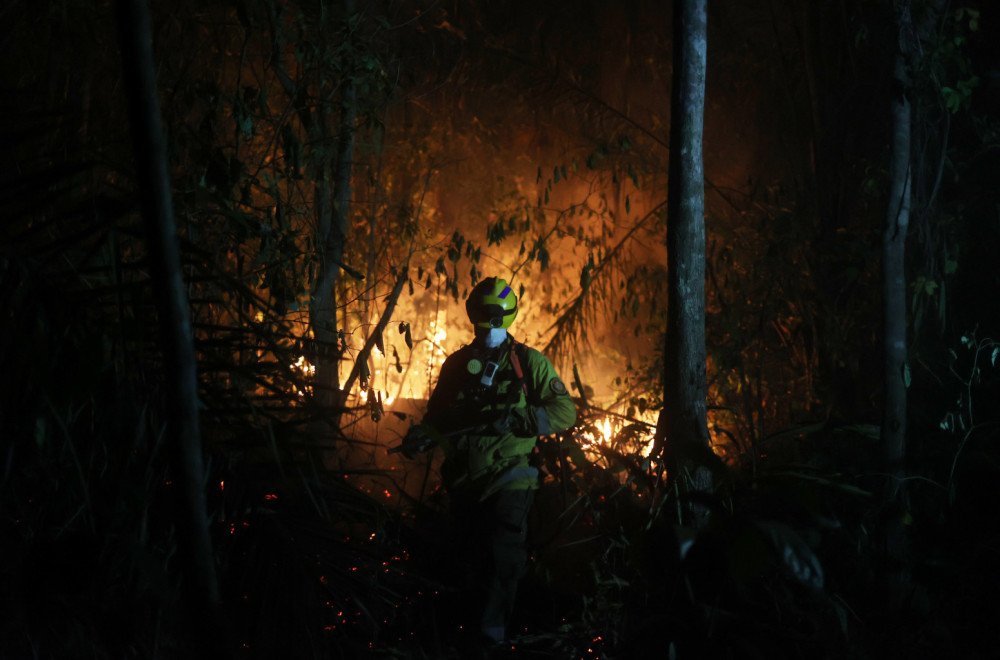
[(397, 289), (572, 314)]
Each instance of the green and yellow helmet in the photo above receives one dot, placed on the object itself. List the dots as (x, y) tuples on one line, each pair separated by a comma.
[(492, 304)]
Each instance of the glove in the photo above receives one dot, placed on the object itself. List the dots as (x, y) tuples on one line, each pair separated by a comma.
[(519, 421), (416, 441)]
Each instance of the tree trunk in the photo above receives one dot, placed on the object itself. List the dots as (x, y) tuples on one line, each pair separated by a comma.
[(682, 430), (893, 254), (200, 584), (896, 370), (332, 224)]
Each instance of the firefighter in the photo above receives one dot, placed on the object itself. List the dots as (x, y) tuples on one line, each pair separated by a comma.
[(493, 399)]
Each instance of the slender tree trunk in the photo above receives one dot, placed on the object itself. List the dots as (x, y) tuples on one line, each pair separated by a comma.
[(893, 254), (909, 32), (332, 222), (200, 584), (682, 430)]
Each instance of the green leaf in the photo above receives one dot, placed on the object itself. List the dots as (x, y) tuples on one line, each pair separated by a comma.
[(993, 358), (906, 374), (246, 127), (952, 99)]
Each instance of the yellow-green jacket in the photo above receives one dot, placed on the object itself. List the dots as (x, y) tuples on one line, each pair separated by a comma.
[(488, 431)]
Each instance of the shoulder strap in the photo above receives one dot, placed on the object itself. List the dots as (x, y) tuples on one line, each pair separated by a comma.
[(518, 350)]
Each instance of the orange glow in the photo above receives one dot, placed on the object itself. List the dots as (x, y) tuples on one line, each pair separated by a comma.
[(608, 430), (306, 369)]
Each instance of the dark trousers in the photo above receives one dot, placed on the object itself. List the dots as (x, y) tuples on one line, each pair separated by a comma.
[(495, 531)]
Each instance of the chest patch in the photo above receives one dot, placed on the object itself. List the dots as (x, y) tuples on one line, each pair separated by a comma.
[(557, 386)]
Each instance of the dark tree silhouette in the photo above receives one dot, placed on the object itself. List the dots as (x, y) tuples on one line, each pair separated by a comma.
[(910, 31), (181, 390)]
